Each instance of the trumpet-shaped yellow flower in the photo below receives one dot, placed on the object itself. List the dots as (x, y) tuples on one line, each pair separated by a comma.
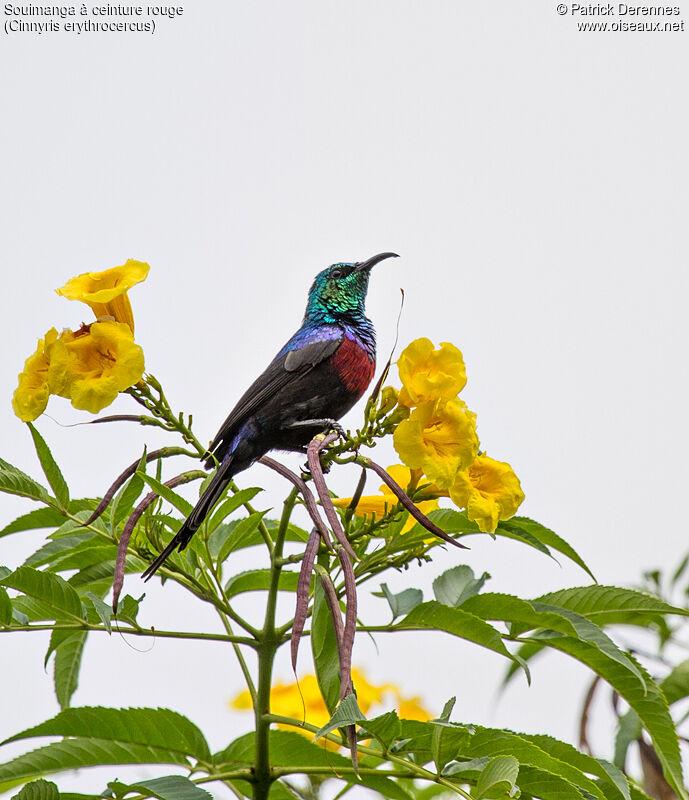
[(303, 701), (106, 292), (489, 490), (428, 374), (92, 365), (31, 395), (379, 504), (439, 438)]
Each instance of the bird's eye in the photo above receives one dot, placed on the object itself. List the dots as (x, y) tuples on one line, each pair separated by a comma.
[(336, 274)]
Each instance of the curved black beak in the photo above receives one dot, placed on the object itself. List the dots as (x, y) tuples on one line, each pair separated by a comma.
[(371, 262)]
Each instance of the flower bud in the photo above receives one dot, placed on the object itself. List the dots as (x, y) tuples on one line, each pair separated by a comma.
[(388, 400)]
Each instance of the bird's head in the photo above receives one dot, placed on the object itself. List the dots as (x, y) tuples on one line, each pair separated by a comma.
[(340, 289)]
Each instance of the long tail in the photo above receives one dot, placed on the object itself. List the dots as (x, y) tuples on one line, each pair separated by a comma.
[(193, 522)]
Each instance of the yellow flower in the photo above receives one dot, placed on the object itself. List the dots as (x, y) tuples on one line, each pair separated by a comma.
[(92, 365), (106, 292), (429, 374), (411, 708), (303, 701), (31, 395), (489, 490), (439, 438), (379, 504)]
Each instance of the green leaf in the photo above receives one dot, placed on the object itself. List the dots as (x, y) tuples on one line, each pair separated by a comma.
[(235, 535), (628, 731), (499, 775), (66, 668), (54, 549), (259, 580), (101, 608), (649, 703), (14, 481), (174, 499), (128, 610), (324, 649), (346, 713), (434, 616), (386, 728), (287, 749), (449, 739), (50, 468), (5, 607), (522, 525), (158, 728), (608, 605), (79, 753), (124, 500), (524, 614), (38, 790), (230, 505), (545, 785), (47, 517), (170, 787), (455, 585), (49, 589), (675, 685), (401, 603)]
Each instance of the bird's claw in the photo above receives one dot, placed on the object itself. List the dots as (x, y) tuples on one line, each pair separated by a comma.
[(339, 430)]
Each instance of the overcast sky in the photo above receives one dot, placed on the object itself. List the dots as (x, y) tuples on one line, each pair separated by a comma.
[(533, 179)]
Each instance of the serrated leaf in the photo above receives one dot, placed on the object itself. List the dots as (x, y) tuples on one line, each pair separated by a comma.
[(14, 481), (238, 533), (545, 536), (175, 500), (346, 713), (538, 783), (158, 728), (386, 728), (50, 468), (101, 608), (435, 616), (128, 610), (169, 787), (499, 775), (5, 607), (324, 649), (449, 739), (675, 685), (259, 580), (402, 602), (46, 517), (54, 549), (66, 667), (79, 753), (230, 505), (649, 704), (125, 499), (287, 749), (607, 605), (455, 585), (49, 589), (38, 790)]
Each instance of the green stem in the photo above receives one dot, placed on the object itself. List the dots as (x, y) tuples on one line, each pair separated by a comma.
[(268, 642), (413, 770), (146, 632)]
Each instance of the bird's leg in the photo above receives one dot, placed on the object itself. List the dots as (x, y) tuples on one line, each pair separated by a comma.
[(326, 425)]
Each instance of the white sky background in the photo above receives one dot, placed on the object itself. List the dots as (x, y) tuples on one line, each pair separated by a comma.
[(533, 180)]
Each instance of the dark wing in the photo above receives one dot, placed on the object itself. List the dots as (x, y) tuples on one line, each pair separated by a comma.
[(283, 370)]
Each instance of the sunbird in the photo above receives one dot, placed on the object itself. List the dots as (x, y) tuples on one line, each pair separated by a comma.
[(313, 381)]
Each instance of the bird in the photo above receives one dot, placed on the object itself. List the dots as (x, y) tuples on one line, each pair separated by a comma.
[(316, 378)]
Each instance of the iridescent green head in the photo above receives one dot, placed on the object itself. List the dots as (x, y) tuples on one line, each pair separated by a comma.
[(340, 289)]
